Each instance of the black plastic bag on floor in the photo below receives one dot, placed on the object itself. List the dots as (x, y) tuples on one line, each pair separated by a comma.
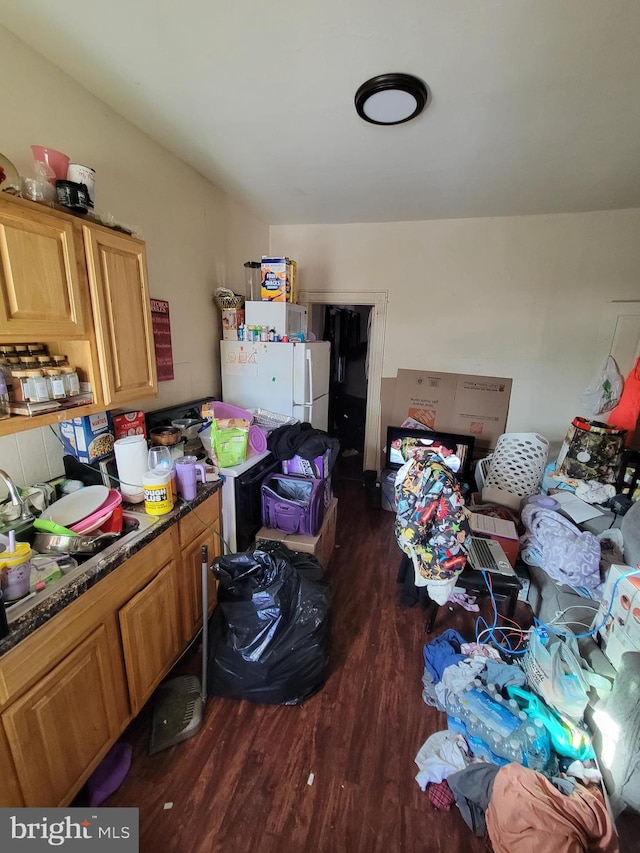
[(268, 636)]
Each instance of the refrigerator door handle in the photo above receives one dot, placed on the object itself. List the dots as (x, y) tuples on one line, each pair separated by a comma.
[(310, 375), (307, 404)]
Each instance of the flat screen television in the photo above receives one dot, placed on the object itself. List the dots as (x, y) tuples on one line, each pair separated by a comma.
[(402, 440)]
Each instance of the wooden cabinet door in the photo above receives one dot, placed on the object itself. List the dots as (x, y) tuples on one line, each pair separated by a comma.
[(10, 793), (192, 581), (61, 728), (42, 275), (151, 634), (117, 270), (196, 529)]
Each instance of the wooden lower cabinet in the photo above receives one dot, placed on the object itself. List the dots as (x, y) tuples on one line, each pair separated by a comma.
[(150, 628), (68, 720), (10, 792), (69, 689)]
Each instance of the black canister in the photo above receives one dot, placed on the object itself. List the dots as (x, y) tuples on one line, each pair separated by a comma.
[(72, 195)]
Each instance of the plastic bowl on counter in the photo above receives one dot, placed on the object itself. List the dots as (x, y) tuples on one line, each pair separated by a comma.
[(227, 410)]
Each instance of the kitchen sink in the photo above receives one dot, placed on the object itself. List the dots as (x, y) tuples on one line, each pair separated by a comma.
[(135, 525), (24, 530)]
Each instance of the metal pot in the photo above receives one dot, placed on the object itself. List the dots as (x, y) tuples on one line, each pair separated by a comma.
[(50, 543), (168, 435)]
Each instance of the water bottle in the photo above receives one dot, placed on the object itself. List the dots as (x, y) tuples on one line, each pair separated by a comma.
[(455, 718), (497, 746), (514, 750), (477, 735), (513, 706), (537, 746)]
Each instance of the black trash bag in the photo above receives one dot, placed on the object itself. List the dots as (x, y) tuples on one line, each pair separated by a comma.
[(268, 636)]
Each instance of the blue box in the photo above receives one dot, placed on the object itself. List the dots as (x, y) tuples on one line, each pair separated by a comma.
[(89, 439)]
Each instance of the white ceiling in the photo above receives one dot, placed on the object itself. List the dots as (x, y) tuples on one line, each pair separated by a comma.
[(534, 102)]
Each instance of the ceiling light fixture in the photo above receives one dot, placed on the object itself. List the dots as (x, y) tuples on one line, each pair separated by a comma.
[(391, 98)]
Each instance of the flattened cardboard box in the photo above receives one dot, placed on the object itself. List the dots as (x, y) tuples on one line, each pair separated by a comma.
[(453, 402)]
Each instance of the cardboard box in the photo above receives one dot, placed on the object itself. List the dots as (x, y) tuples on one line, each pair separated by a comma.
[(128, 423), (451, 402), (232, 319), (621, 631), (275, 286), (90, 438), (321, 546), (500, 529)]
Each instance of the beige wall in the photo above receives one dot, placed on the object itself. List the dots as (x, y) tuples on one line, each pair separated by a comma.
[(522, 297), (197, 237)]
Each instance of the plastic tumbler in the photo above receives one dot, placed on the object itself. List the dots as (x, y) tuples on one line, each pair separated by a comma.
[(187, 469)]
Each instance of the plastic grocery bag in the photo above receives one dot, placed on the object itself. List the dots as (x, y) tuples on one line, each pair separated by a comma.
[(604, 393), (557, 674), (269, 633)]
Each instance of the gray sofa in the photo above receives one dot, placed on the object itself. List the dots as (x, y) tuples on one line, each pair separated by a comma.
[(614, 717)]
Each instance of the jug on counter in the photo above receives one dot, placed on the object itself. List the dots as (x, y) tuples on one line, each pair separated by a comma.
[(15, 571)]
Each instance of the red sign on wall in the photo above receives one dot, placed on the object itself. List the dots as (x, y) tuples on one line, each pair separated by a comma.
[(162, 338)]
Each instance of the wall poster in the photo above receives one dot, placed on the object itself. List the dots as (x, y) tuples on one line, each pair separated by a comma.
[(162, 338)]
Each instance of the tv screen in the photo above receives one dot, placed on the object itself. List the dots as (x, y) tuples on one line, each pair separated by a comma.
[(402, 442)]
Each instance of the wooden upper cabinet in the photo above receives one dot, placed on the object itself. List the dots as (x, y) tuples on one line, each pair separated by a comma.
[(40, 278), (117, 272)]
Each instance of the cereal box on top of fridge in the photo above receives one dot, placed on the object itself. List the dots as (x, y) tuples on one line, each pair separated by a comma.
[(275, 280)]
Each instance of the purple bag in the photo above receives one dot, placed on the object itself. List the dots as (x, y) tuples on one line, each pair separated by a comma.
[(293, 504)]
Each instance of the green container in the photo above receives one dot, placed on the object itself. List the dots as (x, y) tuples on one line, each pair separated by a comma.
[(230, 446)]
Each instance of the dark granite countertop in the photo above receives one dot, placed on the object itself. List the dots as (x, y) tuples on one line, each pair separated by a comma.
[(26, 616)]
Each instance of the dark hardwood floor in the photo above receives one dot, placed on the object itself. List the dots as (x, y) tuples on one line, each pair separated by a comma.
[(241, 783)]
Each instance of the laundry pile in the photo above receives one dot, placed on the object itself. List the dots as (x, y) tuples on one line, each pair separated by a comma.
[(519, 769)]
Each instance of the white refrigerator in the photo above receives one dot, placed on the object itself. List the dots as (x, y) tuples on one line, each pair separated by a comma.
[(289, 379)]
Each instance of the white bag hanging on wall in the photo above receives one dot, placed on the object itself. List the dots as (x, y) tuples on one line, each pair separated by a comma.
[(605, 391)]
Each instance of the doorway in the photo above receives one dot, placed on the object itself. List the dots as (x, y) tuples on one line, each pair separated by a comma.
[(376, 303), (346, 327)]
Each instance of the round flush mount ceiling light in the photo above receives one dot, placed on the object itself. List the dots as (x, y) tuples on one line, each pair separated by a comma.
[(391, 98)]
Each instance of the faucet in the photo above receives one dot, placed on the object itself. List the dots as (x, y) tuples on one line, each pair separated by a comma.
[(16, 499)]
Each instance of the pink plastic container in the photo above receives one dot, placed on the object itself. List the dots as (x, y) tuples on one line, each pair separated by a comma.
[(257, 439), (55, 160), (227, 410)]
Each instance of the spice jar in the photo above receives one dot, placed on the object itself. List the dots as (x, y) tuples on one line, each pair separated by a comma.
[(20, 383), (71, 380), (37, 349), (55, 384), (43, 361), (38, 390), (5, 369), (59, 360), (6, 351), (29, 362), (21, 350)]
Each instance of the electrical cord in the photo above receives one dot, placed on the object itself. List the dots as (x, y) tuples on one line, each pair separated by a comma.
[(499, 636), (595, 630)]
